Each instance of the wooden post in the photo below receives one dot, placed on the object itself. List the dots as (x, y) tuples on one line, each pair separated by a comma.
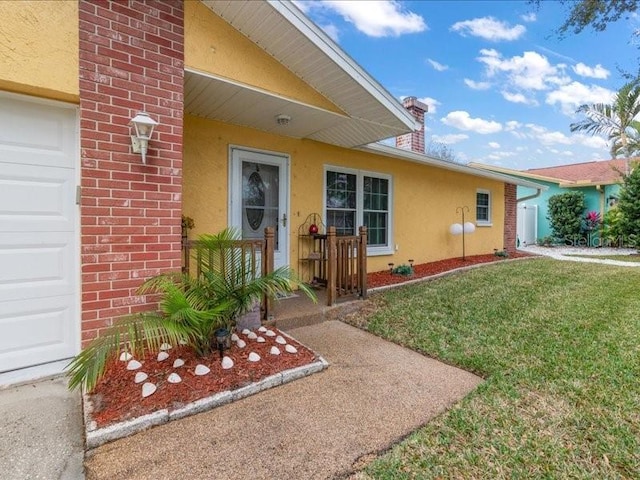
[(268, 265), (362, 262), (332, 264)]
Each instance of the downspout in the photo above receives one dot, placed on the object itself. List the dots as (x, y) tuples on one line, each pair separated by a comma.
[(530, 197)]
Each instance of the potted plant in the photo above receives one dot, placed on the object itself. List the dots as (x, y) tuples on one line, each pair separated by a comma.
[(191, 309)]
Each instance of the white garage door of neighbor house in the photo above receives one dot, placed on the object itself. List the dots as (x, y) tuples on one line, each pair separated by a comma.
[(38, 233)]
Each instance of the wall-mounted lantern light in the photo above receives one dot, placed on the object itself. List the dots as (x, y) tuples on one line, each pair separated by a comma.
[(143, 125)]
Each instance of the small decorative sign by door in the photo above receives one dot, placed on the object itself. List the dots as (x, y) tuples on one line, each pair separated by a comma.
[(254, 197)]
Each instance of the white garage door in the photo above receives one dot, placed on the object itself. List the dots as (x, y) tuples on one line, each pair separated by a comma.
[(38, 245)]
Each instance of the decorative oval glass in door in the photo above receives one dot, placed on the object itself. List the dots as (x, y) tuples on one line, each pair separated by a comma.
[(254, 200)]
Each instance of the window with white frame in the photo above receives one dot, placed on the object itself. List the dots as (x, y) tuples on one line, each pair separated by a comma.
[(355, 197), (483, 207)]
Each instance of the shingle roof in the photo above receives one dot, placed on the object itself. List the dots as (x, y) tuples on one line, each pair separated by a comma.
[(602, 171)]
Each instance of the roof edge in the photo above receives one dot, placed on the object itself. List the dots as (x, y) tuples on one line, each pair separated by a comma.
[(456, 167), (520, 173)]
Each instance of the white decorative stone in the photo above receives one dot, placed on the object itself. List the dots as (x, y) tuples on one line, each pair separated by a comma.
[(140, 377), (148, 389), (252, 336), (174, 378), (280, 339), (182, 341), (254, 357), (270, 333), (234, 337), (201, 369), (162, 356), (246, 331), (165, 346), (125, 356), (274, 351), (262, 329), (260, 340), (133, 365), (290, 349), (178, 362), (241, 343), (227, 363)]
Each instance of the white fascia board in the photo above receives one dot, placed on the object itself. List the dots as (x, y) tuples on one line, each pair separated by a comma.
[(321, 40), (455, 167)]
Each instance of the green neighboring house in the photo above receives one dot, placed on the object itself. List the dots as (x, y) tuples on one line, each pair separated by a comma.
[(598, 180)]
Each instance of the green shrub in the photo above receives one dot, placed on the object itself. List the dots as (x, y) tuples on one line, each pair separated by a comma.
[(405, 270), (565, 214), (629, 203)]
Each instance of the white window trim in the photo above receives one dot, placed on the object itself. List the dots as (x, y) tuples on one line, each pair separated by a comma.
[(360, 174), (484, 223)]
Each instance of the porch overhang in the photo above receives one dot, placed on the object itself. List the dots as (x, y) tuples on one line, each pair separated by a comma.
[(228, 101)]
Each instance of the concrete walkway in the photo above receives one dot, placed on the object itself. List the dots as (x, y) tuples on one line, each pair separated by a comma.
[(567, 254), (373, 394), (41, 432)]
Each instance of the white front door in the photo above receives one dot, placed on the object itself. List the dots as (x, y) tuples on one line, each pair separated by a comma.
[(39, 320), (258, 193)]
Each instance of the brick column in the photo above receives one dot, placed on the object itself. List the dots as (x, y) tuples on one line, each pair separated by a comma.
[(510, 217), (413, 141), (131, 60)]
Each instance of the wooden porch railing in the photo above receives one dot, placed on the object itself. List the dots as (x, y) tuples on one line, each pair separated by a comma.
[(346, 265), (257, 259)]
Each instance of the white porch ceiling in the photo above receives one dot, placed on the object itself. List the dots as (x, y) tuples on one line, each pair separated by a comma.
[(280, 29)]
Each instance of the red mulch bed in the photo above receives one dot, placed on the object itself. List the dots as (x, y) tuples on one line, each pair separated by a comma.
[(380, 279), (117, 398)]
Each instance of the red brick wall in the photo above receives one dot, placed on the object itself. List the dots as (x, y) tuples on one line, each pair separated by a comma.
[(510, 217), (413, 141), (131, 59)]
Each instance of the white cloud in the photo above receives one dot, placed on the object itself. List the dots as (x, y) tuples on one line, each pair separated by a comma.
[(590, 141), (494, 144), (431, 102), (489, 28), (437, 66), (385, 18), (529, 17), (567, 153), (592, 72), (518, 98), (473, 85), (550, 138), (450, 138), (571, 96), (462, 121), (553, 138), (531, 71), (512, 125)]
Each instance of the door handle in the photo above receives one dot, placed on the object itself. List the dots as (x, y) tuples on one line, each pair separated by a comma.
[(284, 220)]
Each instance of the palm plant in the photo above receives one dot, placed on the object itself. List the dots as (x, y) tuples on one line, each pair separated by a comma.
[(618, 120), (190, 308)]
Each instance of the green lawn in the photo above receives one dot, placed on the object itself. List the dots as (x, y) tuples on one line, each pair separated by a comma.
[(559, 346)]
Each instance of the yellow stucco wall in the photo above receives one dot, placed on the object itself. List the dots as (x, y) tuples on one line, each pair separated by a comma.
[(39, 48), (213, 46), (425, 198)]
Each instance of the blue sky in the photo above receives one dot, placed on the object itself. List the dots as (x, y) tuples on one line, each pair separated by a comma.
[(501, 86)]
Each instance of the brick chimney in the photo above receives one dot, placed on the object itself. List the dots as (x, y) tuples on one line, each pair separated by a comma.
[(413, 141)]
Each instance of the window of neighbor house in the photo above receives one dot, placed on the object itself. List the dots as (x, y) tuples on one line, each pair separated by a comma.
[(483, 207), (356, 197)]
